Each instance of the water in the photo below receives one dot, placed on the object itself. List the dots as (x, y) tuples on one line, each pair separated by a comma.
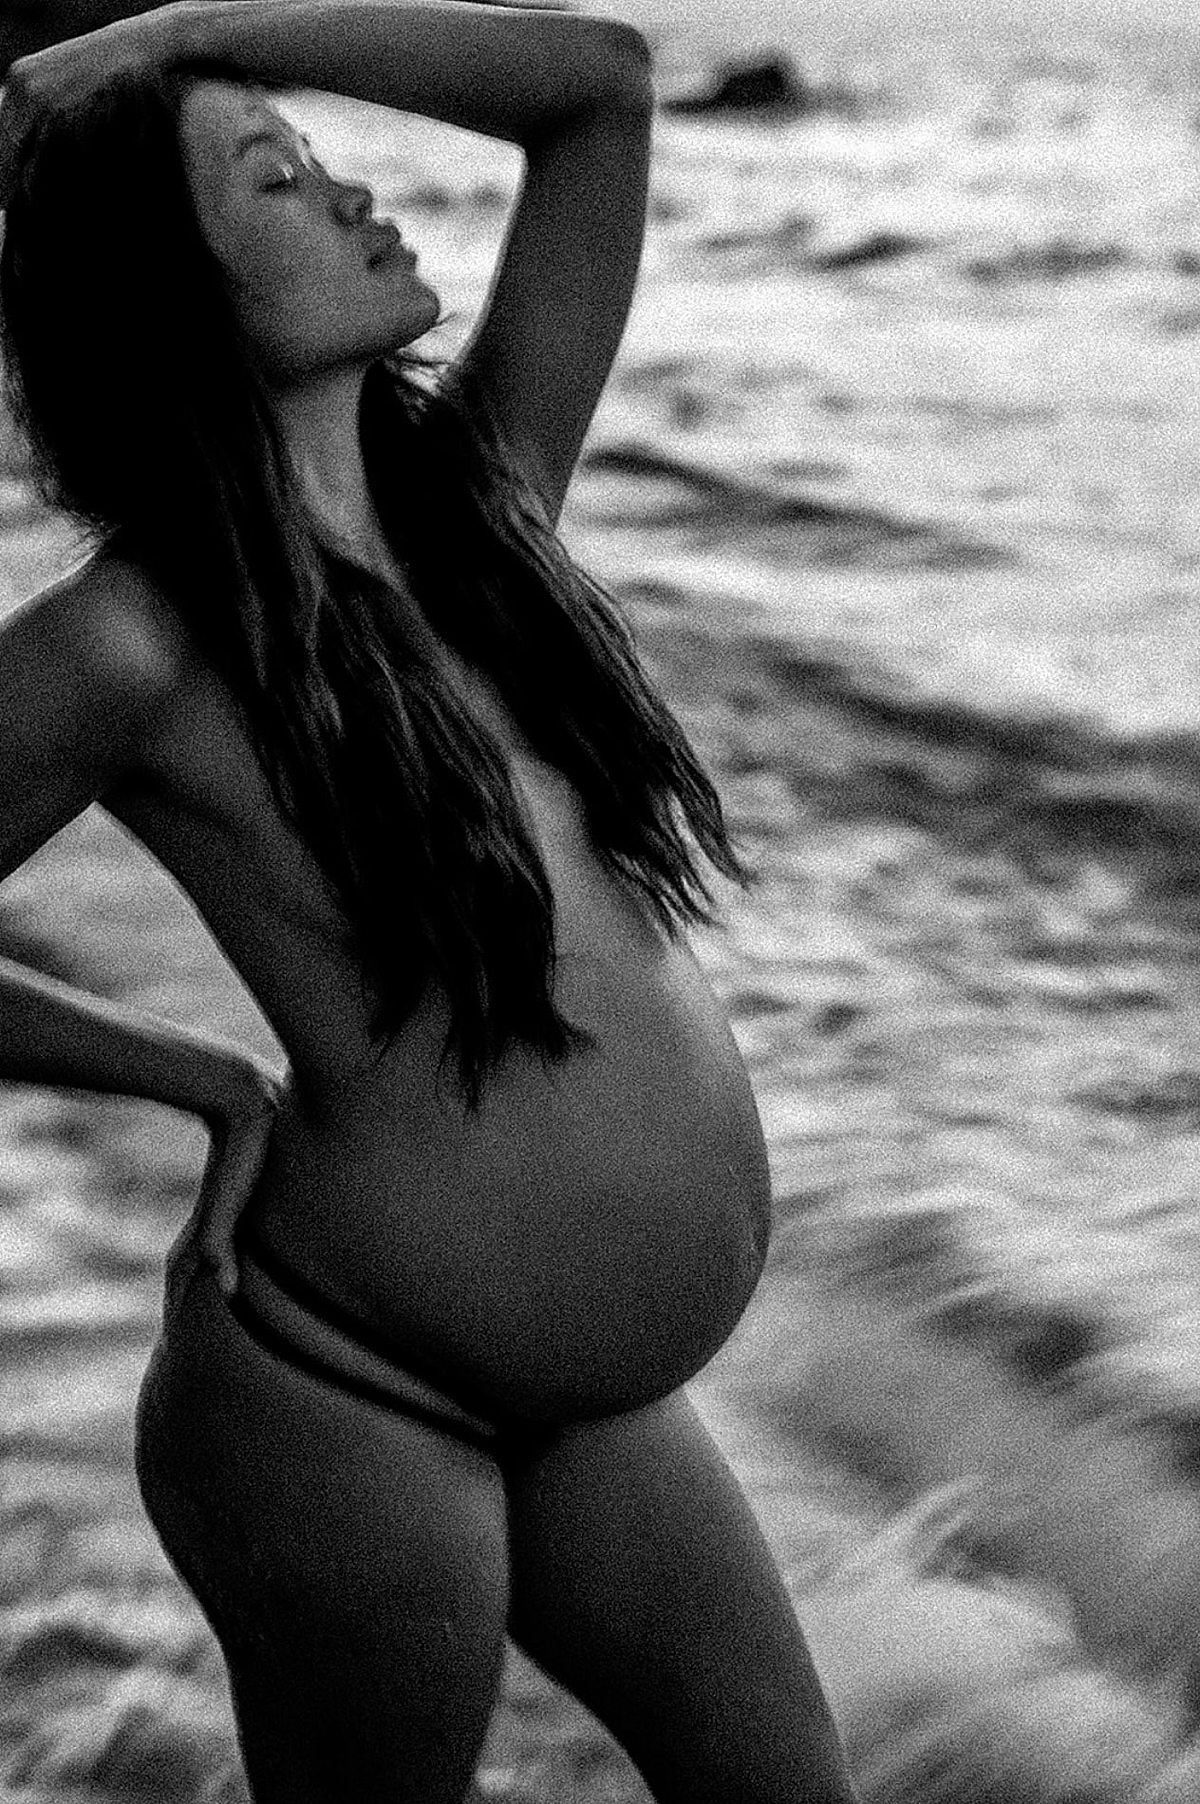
[(964, 296), (896, 475)]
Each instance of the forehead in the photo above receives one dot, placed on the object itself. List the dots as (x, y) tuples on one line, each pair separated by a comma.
[(216, 117)]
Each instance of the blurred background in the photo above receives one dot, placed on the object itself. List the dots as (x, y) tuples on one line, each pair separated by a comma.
[(897, 479)]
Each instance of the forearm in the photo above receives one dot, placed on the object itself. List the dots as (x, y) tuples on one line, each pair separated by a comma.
[(509, 73), (54, 1034)]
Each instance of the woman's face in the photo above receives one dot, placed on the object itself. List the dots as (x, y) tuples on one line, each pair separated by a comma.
[(318, 284)]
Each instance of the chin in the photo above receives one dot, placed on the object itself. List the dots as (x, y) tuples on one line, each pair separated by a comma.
[(417, 322)]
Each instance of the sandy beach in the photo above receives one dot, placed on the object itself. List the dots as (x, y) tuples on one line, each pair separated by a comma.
[(897, 479)]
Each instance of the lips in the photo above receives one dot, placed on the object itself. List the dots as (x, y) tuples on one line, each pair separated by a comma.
[(383, 241)]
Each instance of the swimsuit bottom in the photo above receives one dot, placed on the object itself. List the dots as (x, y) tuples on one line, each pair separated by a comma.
[(288, 1316)]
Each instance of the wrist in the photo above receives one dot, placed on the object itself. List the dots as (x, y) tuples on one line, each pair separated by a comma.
[(167, 34), (239, 1085), (194, 29)]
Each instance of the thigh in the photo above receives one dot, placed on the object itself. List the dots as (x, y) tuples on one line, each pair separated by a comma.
[(642, 1582), (352, 1563)]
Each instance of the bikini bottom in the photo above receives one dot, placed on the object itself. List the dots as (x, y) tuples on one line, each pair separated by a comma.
[(289, 1316)]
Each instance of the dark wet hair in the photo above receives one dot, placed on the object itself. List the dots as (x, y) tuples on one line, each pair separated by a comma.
[(148, 420)]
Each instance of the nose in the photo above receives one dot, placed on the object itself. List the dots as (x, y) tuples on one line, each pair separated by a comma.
[(352, 202)]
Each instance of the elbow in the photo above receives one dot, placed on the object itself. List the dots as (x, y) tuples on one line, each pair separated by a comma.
[(629, 64)]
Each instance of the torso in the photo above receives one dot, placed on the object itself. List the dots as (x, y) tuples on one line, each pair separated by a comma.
[(586, 1240)]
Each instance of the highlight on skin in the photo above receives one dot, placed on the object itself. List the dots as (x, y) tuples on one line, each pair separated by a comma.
[(146, 405)]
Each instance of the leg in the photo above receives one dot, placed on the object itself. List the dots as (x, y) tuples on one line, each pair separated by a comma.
[(642, 1582), (352, 1563)]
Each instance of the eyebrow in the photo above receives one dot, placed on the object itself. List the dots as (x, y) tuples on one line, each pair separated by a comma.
[(260, 137)]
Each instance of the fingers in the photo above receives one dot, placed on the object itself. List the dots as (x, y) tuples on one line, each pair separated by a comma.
[(15, 123), (83, 46), (235, 1165), (21, 34), (237, 1152), (224, 1269), (180, 1269), (215, 1248)]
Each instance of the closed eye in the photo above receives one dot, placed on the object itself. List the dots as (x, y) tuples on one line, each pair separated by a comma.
[(286, 174), (278, 167)]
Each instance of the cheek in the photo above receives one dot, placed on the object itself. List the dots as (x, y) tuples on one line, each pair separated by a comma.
[(272, 259), (287, 286), (303, 296)]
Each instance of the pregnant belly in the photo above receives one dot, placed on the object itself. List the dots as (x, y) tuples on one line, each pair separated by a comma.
[(582, 1245)]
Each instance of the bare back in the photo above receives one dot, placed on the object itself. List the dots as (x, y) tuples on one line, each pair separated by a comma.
[(591, 1235)]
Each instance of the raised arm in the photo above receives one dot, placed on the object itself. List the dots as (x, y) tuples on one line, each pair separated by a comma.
[(30, 25), (573, 92), (541, 352)]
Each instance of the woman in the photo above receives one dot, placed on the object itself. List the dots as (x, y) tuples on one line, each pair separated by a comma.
[(331, 665)]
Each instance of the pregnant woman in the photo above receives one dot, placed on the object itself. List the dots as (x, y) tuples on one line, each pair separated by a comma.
[(419, 1380)]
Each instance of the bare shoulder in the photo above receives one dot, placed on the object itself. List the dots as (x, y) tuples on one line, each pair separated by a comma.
[(89, 668), (117, 629)]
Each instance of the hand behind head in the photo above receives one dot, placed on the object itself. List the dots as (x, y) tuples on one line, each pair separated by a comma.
[(55, 53), (30, 25)]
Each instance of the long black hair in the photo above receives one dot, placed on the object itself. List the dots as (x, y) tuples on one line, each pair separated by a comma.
[(148, 420)]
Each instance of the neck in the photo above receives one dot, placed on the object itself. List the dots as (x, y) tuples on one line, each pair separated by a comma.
[(319, 421)]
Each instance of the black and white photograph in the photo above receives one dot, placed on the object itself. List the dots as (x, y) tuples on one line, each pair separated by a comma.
[(599, 902)]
